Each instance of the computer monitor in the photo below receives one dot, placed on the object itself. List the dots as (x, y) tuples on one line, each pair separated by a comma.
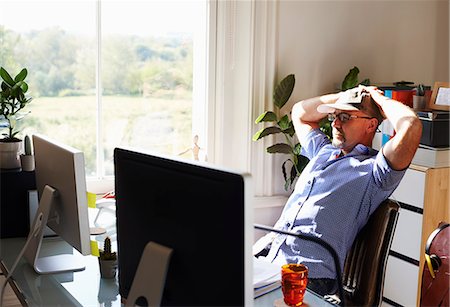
[(201, 212), (61, 185)]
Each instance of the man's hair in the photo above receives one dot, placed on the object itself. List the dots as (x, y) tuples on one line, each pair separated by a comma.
[(370, 107)]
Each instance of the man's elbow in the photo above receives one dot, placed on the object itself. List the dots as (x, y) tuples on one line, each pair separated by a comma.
[(415, 129), (299, 112)]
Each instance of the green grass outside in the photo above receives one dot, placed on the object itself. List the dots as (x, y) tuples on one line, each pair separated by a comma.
[(160, 125)]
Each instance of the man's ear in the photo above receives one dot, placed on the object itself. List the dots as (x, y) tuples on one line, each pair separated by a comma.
[(372, 125)]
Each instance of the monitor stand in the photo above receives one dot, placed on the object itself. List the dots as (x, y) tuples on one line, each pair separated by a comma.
[(155, 258), (51, 264)]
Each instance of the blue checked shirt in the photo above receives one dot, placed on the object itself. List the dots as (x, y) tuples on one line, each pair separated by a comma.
[(333, 199)]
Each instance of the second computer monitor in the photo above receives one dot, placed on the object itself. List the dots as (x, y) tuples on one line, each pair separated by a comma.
[(61, 185), (201, 212)]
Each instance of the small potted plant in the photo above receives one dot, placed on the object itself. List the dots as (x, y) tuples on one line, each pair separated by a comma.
[(27, 158), (107, 260), (12, 101), (419, 98)]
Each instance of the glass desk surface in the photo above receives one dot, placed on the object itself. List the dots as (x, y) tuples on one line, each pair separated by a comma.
[(84, 288)]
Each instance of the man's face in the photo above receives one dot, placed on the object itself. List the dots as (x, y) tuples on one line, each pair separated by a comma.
[(349, 131)]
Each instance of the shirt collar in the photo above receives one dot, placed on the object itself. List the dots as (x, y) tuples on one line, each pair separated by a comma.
[(359, 149)]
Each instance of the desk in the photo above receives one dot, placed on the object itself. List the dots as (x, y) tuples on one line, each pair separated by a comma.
[(84, 288)]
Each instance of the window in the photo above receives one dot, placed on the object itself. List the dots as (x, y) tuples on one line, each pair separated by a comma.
[(110, 73), (150, 74)]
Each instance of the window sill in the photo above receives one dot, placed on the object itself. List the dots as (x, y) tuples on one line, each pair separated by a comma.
[(100, 186), (262, 202)]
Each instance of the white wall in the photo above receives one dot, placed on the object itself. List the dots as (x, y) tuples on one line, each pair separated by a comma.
[(389, 41)]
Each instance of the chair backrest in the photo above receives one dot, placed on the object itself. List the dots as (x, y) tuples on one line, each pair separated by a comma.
[(365, 265)]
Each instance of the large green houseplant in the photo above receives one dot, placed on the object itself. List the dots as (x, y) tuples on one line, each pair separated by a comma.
[(283, 125), (12, 101)]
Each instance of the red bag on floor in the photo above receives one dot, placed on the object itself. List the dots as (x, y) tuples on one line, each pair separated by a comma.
[(436, 271)]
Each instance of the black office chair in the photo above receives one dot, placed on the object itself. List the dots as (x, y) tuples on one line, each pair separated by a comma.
[(365, 265)]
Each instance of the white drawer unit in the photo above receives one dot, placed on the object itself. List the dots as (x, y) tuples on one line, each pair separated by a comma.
[(423, 195), (385, 304), (400, 285), (411, 189), (408, 234)]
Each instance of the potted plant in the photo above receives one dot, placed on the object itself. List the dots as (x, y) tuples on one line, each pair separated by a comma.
[(283, 125), (107, 260), (12, 101), (27, 158), (419, 98)]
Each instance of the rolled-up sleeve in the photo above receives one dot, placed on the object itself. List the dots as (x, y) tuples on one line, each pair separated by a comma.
[(384, 176), (313, 142)]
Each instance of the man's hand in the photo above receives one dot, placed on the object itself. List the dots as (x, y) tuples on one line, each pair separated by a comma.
[(398, 151), (305, 116)]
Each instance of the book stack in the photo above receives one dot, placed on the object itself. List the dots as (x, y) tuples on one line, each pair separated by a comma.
[(266, 276)]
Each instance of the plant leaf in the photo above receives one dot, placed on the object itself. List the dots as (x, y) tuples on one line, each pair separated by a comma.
[(297, 149), (15, 91), (24, 87), (325, 127), (267, 116), (351, 79), (283, 169), (5, 76), (290, 130), (283, 91), (5, 89), (284, 122), (293, 174), (287, 184), (280, 148), (265, 132), (302, 161), (21, 75), (365, 82)]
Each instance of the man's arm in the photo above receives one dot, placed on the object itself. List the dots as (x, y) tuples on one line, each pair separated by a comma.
[(399, 151), (305, 116)]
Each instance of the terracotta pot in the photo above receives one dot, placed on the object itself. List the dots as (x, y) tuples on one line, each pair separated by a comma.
[(9, 154)]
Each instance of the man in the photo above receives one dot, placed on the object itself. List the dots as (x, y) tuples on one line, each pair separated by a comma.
[(345, 180)]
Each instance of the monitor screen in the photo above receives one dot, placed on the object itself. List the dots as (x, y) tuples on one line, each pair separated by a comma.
[(61, 185), (201, 212)]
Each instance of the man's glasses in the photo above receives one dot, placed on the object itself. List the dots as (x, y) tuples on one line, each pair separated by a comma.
[(344, 117)]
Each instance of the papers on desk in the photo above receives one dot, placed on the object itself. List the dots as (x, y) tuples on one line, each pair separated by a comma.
[(266, 276)]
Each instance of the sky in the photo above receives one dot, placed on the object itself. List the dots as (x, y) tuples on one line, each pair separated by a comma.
[(123, 17)]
